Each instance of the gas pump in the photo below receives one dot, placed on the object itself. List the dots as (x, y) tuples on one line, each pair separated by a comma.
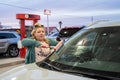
[(22, 18)]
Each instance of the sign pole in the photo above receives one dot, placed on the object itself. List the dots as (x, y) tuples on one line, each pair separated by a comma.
[(48, 24), (47, 12)]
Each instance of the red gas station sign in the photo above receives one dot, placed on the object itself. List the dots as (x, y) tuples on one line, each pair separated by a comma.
[(22, 17), (28, 16)]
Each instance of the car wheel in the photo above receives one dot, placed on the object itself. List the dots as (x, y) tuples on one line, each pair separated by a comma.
[(13, 51)]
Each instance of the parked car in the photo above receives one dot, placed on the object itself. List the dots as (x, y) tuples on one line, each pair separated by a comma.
[(53, 35), (91, 54), (67, 32), (8, 43)]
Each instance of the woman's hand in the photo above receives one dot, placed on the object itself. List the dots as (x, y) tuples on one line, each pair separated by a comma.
[(58, 45), (55, 48)]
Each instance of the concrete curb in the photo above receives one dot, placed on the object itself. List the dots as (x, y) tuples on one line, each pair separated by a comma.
[(12, 63)]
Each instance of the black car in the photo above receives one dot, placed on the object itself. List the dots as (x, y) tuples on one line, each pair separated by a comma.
[(67, 32)]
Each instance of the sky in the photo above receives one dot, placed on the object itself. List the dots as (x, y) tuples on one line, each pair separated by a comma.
[(70, 12)]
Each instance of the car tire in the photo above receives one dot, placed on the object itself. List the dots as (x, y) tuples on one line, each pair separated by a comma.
[(13, 51)]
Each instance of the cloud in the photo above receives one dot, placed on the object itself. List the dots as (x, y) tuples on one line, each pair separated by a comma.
[(92, 13), (71, 12)]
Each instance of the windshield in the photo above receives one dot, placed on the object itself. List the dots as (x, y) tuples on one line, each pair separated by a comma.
[(96, 50)]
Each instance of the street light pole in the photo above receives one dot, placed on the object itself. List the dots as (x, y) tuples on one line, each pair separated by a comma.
[(60, 23)]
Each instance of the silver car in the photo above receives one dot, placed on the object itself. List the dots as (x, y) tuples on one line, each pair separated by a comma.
[(8, 43), (93, 53)]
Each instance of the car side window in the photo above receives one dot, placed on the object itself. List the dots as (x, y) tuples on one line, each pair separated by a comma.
[(7, 35)]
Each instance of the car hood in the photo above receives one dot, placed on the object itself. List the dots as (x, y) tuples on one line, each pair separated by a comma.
[(33, 72)]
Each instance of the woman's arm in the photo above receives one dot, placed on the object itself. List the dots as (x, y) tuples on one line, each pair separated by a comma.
[(30, 42), (60, 43)]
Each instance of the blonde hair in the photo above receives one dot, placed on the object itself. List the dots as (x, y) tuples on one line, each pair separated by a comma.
[(36, 26)]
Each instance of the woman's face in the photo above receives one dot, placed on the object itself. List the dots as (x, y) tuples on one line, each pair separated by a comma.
[(40, 34)]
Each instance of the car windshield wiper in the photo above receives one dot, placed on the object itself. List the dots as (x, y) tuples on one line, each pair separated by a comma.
[(52, 67), (90, 75)]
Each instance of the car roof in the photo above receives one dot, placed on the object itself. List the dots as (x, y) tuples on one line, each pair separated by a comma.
[(70, 28), (105, 24), (8, 32)]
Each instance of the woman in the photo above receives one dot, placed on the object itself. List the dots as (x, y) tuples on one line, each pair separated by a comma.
[(38, 46)]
